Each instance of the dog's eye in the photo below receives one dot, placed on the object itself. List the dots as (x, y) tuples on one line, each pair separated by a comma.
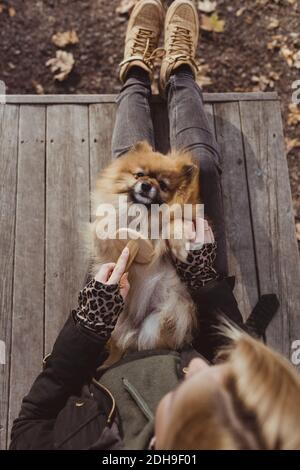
[(139, 174), (163, 186)]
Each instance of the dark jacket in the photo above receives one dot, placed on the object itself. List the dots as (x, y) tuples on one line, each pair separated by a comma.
[(62, 412)]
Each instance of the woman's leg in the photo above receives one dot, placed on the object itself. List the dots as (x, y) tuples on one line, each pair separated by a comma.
[(190, 130), (133, 121), (189, 127)]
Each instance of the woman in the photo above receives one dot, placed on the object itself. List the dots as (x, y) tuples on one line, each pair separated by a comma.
[(164, 399)]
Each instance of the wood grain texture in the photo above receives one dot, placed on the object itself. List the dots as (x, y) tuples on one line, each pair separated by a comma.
[(44, 206), (67, 212), (273, 218), (28, 297), (240, 247), (9, 122), (101, 124), (95, 98)]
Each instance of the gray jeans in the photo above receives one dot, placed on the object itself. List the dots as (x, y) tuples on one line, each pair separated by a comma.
[(189, 130)]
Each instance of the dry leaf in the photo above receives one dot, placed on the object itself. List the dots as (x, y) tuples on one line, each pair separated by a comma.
[(1, 8), (11, 12), (276, 42), (273, 23), (65, 38), (262, 2), (62, 63), (291, 144), (294, 115), (287, 54), (212, 23), (298, 231), (39, 89), (202, 78), (274, 75), (207, 6), (240, 11), (125, 7), (263, 82), (296, 59)]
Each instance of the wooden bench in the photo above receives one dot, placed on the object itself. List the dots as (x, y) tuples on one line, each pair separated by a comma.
[(51, 148)]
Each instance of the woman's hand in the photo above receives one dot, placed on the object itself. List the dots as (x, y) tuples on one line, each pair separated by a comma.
[(194, 254), (199, 234), (101, 301), (114, 273)]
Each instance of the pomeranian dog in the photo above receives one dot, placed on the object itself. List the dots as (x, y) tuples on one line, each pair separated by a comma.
[(159, 312)]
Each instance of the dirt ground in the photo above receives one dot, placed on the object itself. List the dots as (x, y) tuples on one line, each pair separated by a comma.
[(257, 50)]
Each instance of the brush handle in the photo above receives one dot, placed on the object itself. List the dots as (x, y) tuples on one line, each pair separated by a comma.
[(140, 249), (133, 247)]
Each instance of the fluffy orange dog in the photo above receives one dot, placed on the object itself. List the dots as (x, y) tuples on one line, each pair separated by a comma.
[(159, 311)]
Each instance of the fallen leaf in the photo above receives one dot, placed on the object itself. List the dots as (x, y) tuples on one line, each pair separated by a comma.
[(65, 38), (273, 23), (39, 89), (11, 12), (294, 115), (125, 7), (296, 59), (1, 8), (291, 144), (263, 82), (207, 6), (287, 54), (62, 63), (240, 11), (202, 78), (274, 75), (276, 42), (298, 231), (212, 23), (262, 2)]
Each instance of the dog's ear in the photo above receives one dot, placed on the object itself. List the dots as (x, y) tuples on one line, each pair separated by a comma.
[(142, 146), (188, 172)]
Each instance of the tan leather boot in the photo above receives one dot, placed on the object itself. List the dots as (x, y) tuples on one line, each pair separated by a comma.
[(181, 38), (142, 36)]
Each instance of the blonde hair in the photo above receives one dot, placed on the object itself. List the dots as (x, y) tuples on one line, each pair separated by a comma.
[(257, 409)]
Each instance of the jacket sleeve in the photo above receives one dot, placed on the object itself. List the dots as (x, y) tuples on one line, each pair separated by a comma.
[(76, 354)]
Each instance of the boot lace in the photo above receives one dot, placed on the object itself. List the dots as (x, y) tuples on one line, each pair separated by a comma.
[(144, 47), (181, 42)]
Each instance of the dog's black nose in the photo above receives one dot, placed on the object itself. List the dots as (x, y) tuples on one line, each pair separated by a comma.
[(146, 186)]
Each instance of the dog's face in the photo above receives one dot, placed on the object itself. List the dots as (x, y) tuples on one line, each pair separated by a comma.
[(149, 177)]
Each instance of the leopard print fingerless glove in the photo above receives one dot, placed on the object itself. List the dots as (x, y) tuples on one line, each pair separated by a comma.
[(99, 307), (198, 269)]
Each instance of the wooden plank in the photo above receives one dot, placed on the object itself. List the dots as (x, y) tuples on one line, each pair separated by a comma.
[(9, 121), (28, 296), (273, 219), (67, 211), (236, 205), (89, 99), (101, 124)]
